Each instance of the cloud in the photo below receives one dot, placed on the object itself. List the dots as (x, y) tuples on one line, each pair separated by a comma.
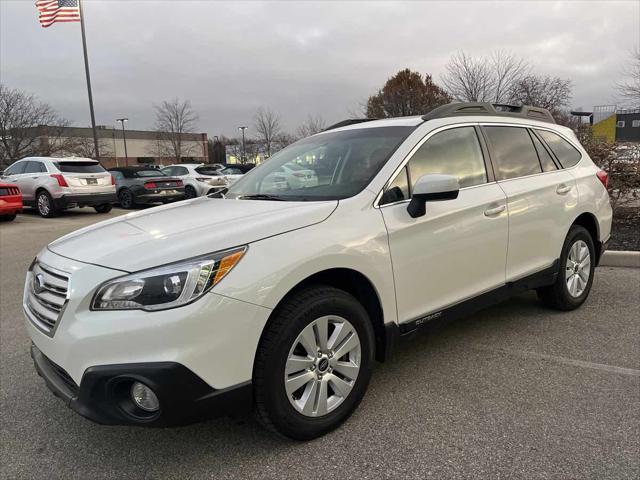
[(298, 58)]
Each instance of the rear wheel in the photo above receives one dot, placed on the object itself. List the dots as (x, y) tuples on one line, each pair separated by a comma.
[(45, 205), (106, 208), (313, 363), (577, 266), (190, 192), (126, 199)]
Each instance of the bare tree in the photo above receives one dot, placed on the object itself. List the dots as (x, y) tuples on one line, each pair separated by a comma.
[(629, 88), (85, 147), (314, 124), (174, 119), (507, 70), (483, 79), (24, 123), (268, 127), (552, 93)]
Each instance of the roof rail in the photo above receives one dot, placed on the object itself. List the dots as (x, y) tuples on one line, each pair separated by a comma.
[(350, 121), (493, 109)]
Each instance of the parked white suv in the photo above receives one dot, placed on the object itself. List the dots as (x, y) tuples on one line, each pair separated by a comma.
[(199, 179), (53, 184), (282, 299)]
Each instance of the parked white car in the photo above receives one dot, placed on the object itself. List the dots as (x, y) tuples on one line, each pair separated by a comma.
[(51, 184), (281, 300), (199, 179), (231, 174)]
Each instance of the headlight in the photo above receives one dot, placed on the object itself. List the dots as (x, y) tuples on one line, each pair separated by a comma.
[(165, 287)]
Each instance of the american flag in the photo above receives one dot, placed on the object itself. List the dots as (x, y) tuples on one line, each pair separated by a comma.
[(52, 11)]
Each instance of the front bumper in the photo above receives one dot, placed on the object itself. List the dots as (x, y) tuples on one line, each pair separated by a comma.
[(103, 394), (90, 200)]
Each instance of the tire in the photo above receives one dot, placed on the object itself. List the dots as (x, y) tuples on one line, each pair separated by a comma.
[(571, 288), (44, 204), (280, 408), (126, 199), (8, 218), (190, 192), (106, 208)]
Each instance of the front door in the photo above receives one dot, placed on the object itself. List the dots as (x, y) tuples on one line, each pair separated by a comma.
[(457, 250)]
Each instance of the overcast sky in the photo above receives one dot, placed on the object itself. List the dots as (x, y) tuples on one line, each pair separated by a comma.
[(297, 58)]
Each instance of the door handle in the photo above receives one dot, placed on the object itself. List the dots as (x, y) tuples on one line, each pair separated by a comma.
[(492, 212), (562, 189)]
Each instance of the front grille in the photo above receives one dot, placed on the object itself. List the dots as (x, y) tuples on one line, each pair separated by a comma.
[(46, 296)]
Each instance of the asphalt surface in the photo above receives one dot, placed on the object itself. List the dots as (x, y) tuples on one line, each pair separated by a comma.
[(515, 391)]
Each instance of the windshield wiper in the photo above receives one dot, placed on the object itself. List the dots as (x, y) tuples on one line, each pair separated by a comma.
[(261, 196)]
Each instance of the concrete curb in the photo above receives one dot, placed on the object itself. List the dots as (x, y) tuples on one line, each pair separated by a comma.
[(614, 258)]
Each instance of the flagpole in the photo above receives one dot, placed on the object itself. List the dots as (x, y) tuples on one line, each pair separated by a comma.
[(86, 69)]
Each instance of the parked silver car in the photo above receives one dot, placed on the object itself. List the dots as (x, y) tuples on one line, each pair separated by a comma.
[(199, 179), (54, 184)]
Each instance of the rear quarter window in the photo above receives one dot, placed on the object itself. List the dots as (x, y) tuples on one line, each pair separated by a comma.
[(79, 167), (566, 153)]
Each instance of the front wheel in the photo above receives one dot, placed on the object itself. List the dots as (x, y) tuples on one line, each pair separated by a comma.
[(106, 208), (577, 266), (313, 363)]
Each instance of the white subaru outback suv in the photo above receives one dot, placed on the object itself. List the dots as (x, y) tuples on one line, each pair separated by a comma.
[(280, 300)]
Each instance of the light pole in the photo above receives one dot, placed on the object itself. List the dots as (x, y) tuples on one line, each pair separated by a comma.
[(124, 139), (242, 159)]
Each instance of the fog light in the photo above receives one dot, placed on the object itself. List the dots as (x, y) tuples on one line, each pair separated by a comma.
[(144, 397)]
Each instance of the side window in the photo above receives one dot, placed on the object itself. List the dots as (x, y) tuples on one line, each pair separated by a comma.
[(566, 153), (167, 171), (34, 167), (512, 152), (454, 152), (180, 171), (16, 168), (398, 190), (545, 159)]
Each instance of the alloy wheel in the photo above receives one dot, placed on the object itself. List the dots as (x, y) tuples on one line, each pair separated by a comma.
[(322, 366), (44, 206), (578, 268)]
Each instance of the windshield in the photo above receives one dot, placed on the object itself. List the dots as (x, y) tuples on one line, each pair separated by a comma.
[(329, 166)]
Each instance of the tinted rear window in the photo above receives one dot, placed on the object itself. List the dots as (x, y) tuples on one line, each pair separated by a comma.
[(79, 167), (566, 154), (208, 171), (149, 173), (513, 152)]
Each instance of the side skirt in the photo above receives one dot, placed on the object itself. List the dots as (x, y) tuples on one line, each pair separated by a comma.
[(459, 310)]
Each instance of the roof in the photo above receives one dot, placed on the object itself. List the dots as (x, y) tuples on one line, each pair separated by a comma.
[(61, 159), (110, 133), (451, 110)]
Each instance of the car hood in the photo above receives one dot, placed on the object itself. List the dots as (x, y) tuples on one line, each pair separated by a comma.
[(186, 229)]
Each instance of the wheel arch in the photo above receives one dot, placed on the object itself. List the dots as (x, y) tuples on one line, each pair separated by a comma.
[(362, 288), (589, 221)]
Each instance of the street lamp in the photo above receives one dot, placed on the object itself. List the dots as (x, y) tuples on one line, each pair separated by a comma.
[(124, 139), (242, 159)]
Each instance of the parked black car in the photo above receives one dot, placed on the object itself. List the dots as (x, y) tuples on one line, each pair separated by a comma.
[(144, 185)]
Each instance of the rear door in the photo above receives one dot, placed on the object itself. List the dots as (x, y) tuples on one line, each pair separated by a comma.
[(31, 179), (540, 198)]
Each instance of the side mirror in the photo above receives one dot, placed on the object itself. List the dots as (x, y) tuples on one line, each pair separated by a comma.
[(432, 187)]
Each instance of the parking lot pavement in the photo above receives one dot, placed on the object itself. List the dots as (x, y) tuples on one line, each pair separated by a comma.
[(515, 391)]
